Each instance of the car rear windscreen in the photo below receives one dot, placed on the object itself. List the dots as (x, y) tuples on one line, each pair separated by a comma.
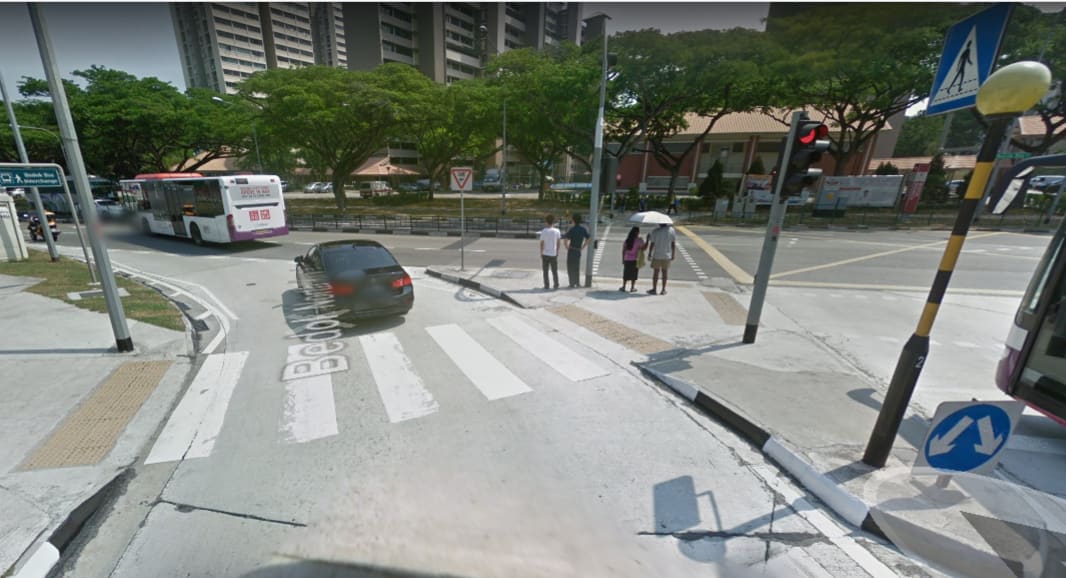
[(357, 257)]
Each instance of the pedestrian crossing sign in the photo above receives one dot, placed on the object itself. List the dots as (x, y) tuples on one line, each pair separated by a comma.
[(970, 51)]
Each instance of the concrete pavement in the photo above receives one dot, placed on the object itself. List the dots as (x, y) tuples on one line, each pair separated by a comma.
[(810, 409), (75, 416)]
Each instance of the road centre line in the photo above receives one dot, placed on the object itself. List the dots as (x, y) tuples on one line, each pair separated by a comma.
[(739, 275)]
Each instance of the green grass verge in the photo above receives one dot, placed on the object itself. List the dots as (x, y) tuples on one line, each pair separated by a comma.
[(67, 276)]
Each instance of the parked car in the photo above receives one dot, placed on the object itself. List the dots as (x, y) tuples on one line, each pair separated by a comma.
[(409, 188), (424, 185), (364, 278), (326, 188), (374, 188), (284, 186), (1046, 182), (109, 209), (310, 188)]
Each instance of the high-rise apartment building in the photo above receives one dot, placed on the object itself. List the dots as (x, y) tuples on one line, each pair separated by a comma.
[(451, 41), (223, 43)]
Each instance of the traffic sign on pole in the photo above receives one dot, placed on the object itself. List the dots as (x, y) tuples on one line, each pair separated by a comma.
[(30, 177), (968, 436), (970, 51), (462, 179)]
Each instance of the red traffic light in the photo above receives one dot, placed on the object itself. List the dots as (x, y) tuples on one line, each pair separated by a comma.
[(811, 133)]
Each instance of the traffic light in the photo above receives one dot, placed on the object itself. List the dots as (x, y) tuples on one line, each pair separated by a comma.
[(807, 148)]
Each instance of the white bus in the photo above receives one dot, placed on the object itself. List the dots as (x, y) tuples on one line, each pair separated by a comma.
[(208, 209)]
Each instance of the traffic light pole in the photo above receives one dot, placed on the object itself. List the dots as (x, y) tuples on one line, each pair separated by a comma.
[(773, 230)]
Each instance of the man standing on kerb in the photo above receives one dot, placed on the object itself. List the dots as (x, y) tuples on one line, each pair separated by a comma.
[(577, 238)]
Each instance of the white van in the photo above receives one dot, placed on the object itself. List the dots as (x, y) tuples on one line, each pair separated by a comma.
[(374, 188)]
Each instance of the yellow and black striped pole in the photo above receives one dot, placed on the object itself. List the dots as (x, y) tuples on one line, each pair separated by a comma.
[(1006, 94)]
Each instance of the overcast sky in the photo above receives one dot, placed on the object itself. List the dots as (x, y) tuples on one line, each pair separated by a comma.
[(139, 38)]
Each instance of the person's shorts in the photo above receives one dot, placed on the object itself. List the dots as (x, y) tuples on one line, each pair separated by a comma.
[(660, 263)]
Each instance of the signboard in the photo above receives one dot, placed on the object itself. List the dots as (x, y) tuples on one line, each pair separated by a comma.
[(1005, 156), (970, 51), (914, 191), (30, 177), (968, 436), (760, 190), (462, 179), (849, 192)]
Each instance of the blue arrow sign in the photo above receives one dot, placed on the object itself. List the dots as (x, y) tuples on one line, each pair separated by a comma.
[(968, 438), (29, 177), (970, 51)]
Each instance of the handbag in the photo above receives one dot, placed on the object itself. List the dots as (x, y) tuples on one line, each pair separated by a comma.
[(640, 260)]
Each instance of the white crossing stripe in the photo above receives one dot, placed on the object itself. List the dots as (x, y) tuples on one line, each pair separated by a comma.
[(691, 263), (401, 390), (195, 424), (561, 358), (310, 411), (966, 344), (888, 298), (486, 373), (597, 256)]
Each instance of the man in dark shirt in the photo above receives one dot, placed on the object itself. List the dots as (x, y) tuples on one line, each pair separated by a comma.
[(577, 238)]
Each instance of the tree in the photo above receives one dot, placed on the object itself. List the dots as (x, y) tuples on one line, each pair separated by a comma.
[(444, 122), (936, 182), (336, 118), (857, 65), (710, 73), (712, 184), (552, 98), (757, 167), (886, 169)]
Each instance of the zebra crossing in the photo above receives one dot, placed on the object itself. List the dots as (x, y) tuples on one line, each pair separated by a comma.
[(496, 355), (691, 262)]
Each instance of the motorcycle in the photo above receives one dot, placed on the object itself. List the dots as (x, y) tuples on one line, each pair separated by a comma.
[(36, 234)]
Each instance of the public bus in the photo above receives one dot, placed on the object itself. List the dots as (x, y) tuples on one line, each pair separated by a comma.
[(208, 209), (1033, 366)]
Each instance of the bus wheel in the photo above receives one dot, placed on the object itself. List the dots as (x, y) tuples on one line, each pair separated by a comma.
[(194, 232)]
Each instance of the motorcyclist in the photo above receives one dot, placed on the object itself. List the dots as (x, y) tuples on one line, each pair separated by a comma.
[(35, 228)]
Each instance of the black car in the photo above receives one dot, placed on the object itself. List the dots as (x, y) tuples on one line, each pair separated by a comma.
[(361, 276)]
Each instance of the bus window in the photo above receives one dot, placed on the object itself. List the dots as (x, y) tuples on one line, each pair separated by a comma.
[(208, 198)]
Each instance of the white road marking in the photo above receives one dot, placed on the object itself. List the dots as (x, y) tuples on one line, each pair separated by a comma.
[(597, 256), (889, 339), (826, 525), (195, 424), (966, 344), (310, 411), (203, 315), (692, 263), (426, 249), (217, 257), (888, 298), (561, 358), (486, 373), (402, 391)]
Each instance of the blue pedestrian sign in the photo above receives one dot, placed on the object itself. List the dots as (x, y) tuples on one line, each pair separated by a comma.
[(29, 176), (968, 436), (970, 51)]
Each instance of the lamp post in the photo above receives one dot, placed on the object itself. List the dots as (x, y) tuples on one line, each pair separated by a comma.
[(1007, 93), (597, 154), (70, 202), (255, 135)]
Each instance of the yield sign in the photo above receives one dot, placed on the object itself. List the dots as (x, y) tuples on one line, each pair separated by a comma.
[(462, 179)]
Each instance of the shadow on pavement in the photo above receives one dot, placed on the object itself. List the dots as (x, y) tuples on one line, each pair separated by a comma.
[(312, 569), (180, 246), (297, 320), (58, 351)]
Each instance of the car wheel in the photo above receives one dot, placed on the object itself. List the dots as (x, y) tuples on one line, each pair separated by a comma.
[(194, 232)]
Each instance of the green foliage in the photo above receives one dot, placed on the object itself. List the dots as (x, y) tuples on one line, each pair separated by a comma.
[(757, 167), (712, 184), (886, 169), (337, 118), (860, 64), (936, 183), (920, 136)]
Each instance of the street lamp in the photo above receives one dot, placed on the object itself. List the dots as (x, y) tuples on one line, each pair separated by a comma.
[(597, 154), (1007, 93), (255, 136)]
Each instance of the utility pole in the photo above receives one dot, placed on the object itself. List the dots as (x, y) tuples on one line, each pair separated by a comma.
[(597, 158), (34, 193), (76, 164)]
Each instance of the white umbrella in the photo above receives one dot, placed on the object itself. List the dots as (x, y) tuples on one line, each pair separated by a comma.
[(651, 218)]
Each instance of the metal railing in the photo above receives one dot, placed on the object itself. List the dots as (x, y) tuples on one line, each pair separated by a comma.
[(416, 224)]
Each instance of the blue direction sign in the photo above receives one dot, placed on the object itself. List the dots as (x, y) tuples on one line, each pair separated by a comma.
[(29, 177), (970, 51), (968, 436)]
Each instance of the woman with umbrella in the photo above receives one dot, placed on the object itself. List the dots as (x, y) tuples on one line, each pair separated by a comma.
[(661, 246), (632, 259)]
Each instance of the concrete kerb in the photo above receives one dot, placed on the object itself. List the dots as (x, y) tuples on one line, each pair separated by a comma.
[(476, 286), (845, 504)]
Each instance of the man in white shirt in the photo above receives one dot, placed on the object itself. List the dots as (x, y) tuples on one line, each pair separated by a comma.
[(662, 251), (550, 238)]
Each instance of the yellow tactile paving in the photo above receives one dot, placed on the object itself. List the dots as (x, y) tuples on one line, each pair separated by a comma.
[(728, 309), (612, 330), (88, 434)]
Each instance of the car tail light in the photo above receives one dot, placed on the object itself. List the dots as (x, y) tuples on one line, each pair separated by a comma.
[(402, 282), (341, 289), (229, 223)]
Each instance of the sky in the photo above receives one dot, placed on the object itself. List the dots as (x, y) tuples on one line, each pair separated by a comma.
[(139, 38)]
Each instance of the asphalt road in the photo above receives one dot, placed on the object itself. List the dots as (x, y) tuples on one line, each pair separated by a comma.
[(466, 434)]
